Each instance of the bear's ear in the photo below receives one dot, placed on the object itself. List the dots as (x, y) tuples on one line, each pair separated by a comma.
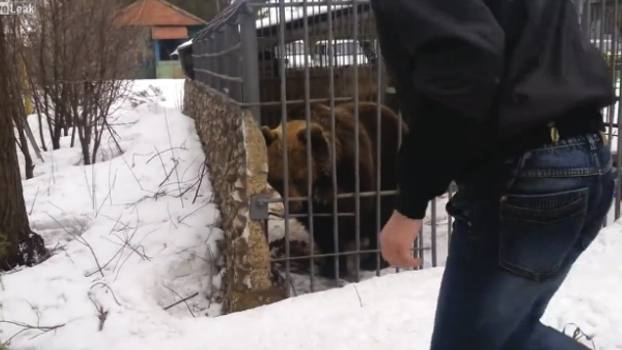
[(268, 134), (319, 143)]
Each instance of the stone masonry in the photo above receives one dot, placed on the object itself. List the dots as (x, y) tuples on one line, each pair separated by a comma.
[(238, 167)]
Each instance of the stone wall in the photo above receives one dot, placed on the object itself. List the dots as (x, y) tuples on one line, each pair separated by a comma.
[(238, 167)]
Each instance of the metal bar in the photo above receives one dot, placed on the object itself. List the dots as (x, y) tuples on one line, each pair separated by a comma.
[(222, 52), (378, 160), (331, 90), (312, 100), (390, 193), (307, 88), (618, 192), (206, 63), (346, 253), (316, 4), (238, 63), (399, 144), (219, 63), (221, 76), (386, 193), (322, 215), (615, 110), (284, 139), (357, 139), (251, 66), (613, 54), (196, 62), (368, 194), (229, 62), (224, 17)]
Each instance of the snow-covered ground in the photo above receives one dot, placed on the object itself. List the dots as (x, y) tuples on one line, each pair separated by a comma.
[(126, 216), (155, 247)]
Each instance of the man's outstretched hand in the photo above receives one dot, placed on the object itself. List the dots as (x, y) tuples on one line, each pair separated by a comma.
[(396, 239)]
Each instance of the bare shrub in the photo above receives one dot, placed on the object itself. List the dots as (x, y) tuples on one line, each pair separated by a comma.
[(76, 57)]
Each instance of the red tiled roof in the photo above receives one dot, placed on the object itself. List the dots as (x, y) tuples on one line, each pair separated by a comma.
[(156, 13), (163, 33)]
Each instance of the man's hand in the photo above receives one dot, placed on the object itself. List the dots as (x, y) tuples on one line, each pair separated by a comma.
[(396, 239)]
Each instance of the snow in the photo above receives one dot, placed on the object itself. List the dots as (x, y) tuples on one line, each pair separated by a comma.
[(182, 46), (270, 16), (151, 244), (185, 44), (155, 247)]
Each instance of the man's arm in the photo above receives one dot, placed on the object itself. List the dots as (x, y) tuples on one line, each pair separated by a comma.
[(441, 147), (447, 57)]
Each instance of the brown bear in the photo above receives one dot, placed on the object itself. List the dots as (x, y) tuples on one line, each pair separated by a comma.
[(371, 139)]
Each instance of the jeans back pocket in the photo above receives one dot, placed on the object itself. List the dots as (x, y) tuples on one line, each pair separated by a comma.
[(537, 232)]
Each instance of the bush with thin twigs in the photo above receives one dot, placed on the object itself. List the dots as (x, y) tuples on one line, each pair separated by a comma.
[(76, 57)]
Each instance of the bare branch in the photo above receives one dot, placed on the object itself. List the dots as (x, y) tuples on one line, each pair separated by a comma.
[(102, 314), (203, 171), (160, 153), (358, 295), (182, 300), (105, 285), (168, 176), (34, 201), (27, 327), (82, 241), (170, 141)]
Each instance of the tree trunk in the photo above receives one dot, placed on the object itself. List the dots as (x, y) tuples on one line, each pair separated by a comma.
[(56, 134), (86, 155), (37, 106), (33, 141), (29, 165), (18, 244), (73, 136)]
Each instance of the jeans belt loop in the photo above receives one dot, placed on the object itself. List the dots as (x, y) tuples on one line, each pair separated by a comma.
[(592, 140)]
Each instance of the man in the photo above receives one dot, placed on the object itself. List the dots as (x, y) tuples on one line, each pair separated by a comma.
[(502, 97)]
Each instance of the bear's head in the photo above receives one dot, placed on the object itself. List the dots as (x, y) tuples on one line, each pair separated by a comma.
[(297, 134)]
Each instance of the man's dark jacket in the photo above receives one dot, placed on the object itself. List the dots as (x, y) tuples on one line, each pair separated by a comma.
[(474, 76)]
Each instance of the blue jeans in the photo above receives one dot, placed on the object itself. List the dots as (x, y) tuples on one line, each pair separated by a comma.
[(519, 227)]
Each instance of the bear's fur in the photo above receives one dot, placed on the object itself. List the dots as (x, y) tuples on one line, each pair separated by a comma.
[(319, 130)]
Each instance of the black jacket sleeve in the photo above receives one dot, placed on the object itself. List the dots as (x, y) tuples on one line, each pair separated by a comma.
[(442, 146), (447, 58)]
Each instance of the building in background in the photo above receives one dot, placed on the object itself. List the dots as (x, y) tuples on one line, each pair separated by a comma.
[(166, 26)]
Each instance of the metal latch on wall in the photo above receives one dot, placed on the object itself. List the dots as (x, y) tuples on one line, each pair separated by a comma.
[(259, 205)]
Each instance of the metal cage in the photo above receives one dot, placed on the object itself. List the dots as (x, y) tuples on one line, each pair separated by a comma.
[(283, 58)]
